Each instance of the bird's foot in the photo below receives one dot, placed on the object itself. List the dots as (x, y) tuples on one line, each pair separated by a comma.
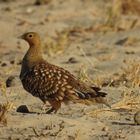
[(44, 108), (50, 110)]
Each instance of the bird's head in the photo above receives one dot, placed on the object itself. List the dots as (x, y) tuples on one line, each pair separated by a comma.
[(32, 38)]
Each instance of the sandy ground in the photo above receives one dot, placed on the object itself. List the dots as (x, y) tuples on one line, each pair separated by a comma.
[(76, 36)]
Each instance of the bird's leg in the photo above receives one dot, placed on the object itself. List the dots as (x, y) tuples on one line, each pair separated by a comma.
[(55, 105), (50, 110), (44, 107)]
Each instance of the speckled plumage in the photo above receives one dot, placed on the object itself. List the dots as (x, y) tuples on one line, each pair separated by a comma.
[(52, 83)]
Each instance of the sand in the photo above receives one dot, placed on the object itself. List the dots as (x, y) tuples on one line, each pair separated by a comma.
[(97, 45)]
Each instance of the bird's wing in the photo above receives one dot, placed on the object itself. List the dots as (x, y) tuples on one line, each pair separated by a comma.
[(71, 85), (49, 81), (81, 89)]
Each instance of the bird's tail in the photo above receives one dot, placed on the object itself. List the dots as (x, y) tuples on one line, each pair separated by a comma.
[(102, 100), (100, 96), (96, 96)]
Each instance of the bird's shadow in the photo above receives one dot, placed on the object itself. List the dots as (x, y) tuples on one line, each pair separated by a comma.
[(31, 112), (24, 109)]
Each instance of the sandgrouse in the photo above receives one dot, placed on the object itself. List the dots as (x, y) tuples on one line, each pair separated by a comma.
[(52, 83)]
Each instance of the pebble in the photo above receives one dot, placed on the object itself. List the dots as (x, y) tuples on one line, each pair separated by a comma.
[(23, 109)]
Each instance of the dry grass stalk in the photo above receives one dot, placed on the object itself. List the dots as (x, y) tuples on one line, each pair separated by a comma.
[(128, 41), (129, 77), (56, 45), (3, 89), (115, 20), (103, 81), (132, 73), (97, 81), (3, 110), (126, 7), (130, 101), (4, 107), (83, 75)]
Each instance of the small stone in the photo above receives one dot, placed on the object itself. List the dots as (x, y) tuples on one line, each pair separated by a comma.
[(29, 10), (72, 60), (40, 2), (23, 109), (105, 129), (19, 62), (7, 9), (9, 81), (12, 61), (3, 64)]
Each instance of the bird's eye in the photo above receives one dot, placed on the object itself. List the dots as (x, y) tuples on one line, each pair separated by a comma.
[(30, 35)]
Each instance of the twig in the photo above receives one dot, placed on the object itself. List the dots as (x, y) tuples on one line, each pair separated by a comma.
[(36, 133)]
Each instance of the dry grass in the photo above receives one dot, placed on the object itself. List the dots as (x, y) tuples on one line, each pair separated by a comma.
[(128, 41), (56, 45), (129, 77), (130, 101), (103, 81), (118, 18), (3, 89), (126, 7), (97, 113), (83, 75), (131, 41), (98, 81), (132, 73), (4, 107)]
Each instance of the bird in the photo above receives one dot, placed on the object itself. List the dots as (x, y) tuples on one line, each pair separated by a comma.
[(52, 83)]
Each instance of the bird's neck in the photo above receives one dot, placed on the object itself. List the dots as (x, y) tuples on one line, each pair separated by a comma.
[(33, 56)]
